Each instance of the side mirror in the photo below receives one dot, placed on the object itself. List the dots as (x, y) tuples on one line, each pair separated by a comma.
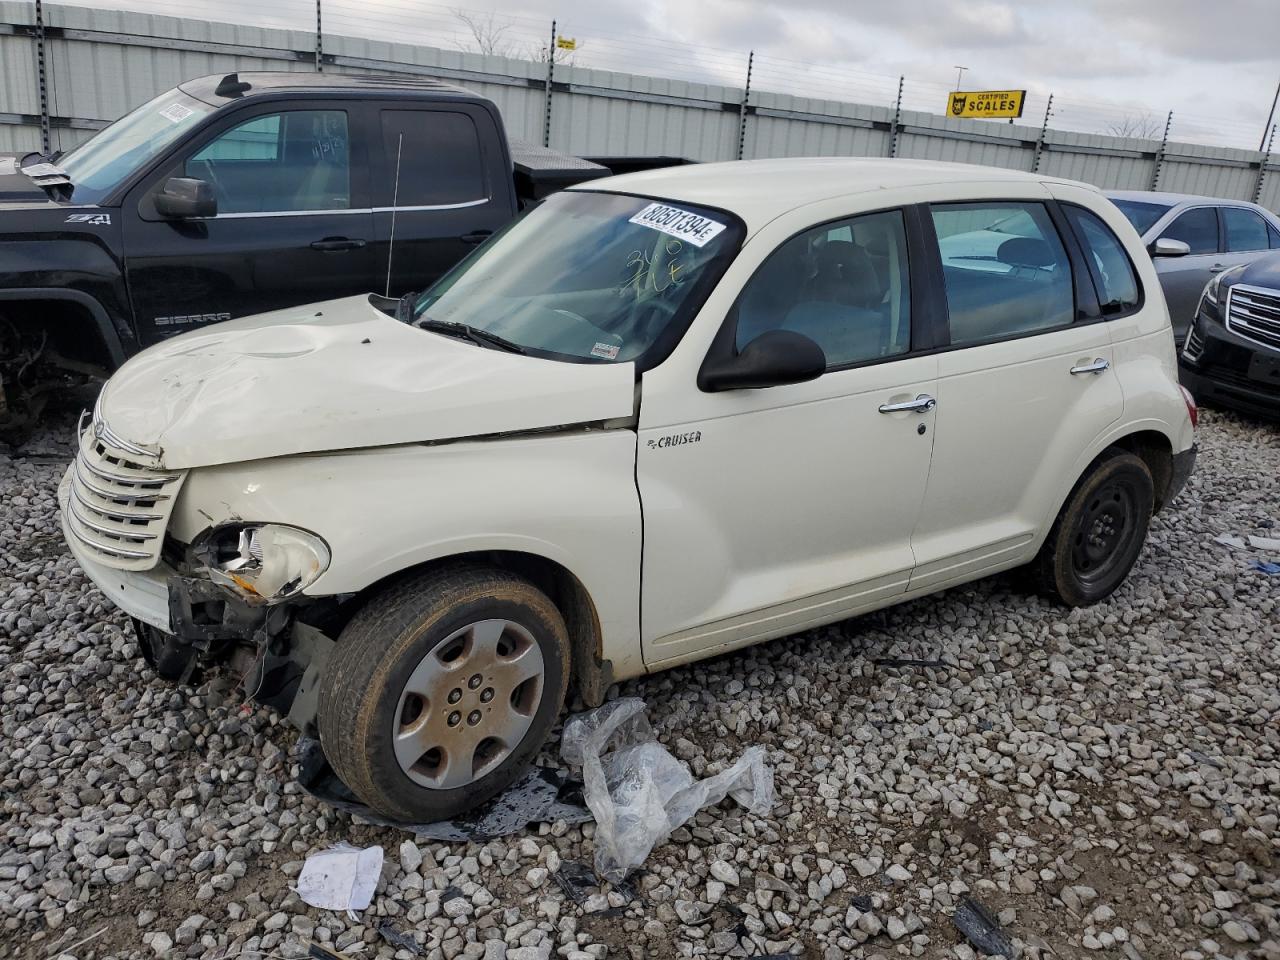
[(774, 358), (1169, 247), (182, 198)]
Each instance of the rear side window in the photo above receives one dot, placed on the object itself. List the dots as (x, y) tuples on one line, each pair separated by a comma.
[(1197, 228), (1006, 270), (845, 285), (1245, 230), (1112, 271), (439, 158), (1274, 234)]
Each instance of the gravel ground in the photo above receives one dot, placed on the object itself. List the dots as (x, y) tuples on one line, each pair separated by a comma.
[(1105, 781)]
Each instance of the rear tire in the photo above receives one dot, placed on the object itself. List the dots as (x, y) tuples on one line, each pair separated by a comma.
[(1099, 533), (441, 690)]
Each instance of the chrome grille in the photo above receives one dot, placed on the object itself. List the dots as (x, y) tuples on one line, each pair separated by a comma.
[(1254, 313), (1193, 346), (119, 503)]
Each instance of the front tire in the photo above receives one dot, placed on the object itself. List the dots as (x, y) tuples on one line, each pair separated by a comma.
[(441, 690), (1099, 533)]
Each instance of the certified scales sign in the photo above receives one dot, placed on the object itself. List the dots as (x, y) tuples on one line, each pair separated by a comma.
[(986, 103)]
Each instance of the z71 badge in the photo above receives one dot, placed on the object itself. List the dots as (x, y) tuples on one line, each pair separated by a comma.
[(96, 218)]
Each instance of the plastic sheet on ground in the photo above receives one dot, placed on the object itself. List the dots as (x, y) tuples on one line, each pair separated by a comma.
[(340, 878), (638, 792), (540, 796)]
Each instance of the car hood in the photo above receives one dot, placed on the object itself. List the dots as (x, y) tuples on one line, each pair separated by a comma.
[(1263, 272), (340, 375)]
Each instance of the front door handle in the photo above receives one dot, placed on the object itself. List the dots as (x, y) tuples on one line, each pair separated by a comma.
[(335, 244), (476, 236), (1097, 366), (921, 404)]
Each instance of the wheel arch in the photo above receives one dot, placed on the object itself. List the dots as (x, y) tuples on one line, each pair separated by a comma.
[(1155, 450), (590, 674), (112, 349)]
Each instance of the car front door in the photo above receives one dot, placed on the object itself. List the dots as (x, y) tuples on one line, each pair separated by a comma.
[(1025, 386), (443, 188), (293, 223), (1183, 278), (769, 510)]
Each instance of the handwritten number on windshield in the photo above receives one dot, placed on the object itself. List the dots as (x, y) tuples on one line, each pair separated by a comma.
[(657, 273)]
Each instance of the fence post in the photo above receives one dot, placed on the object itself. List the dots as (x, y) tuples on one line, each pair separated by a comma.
[(1044, 132), (742, 109), (551, 72), (42, 80), (319, 40), (1262, 166), (1164, 143), (895, 128)]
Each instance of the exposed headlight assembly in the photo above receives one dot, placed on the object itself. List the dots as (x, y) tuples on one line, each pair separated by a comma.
[(264, 563)]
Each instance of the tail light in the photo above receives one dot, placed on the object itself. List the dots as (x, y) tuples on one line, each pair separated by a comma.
[(1192, 411)]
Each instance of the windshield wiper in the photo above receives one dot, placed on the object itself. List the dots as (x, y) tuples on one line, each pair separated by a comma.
[(482, 338)]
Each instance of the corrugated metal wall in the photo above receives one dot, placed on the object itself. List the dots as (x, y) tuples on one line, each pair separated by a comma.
[(101, 63)]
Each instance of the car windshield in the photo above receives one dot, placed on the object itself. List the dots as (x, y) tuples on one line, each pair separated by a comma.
[(1142, 213), (589, 277), (101, 163)]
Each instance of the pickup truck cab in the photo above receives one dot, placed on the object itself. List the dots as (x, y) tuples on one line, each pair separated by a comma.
[(659, 417), (233, 195)]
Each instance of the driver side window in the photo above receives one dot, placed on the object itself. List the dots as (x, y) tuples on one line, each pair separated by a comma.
[(279, 163), (845, 285)]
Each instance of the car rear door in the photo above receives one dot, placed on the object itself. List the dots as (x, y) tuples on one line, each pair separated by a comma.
[(293, 223), (1024, 383), (769, 510), (442, 186), (1245, 236)]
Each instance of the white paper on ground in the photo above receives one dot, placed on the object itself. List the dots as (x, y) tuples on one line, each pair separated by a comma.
[(340, 878), (1264, 543), (1229, 541)]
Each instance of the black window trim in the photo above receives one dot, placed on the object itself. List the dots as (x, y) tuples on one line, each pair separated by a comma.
[(921, 289), (1089, 266)]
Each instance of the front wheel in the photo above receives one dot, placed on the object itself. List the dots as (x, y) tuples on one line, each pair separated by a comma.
[(1099, 533), (441, 690)]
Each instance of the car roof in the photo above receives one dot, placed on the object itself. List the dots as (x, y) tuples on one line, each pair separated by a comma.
[(760, 190), (266, 82), (1174, 199)]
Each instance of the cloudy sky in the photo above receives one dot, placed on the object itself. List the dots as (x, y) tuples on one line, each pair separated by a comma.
[(1107, 62)]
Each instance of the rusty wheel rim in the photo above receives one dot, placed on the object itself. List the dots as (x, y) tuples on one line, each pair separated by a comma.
[(468, 704)]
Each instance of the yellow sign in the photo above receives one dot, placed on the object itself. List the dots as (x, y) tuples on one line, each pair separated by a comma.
[(566, 43), (986, 103)]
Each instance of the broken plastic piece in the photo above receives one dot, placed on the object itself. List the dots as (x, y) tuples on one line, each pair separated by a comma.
[(639, 792), (981, 929), (401, 941), (1265, 566), (1229, 541), (340, 878), (1264, 543), (540, 796)]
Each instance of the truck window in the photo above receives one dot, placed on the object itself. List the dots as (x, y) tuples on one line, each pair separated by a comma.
[(844, 285), (440, 158), (279, 163)]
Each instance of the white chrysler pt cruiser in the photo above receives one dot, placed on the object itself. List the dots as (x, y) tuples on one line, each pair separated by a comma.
[(659, 417)]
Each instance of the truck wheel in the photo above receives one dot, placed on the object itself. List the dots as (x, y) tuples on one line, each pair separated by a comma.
[(1099, 533), (441, 690)]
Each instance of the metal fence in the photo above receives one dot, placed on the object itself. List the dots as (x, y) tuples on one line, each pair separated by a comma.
[(67, 71)]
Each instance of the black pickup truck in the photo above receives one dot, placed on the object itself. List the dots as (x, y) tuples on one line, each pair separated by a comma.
[(239, 194)]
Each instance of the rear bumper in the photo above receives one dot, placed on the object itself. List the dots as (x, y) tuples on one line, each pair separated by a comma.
[(1214, 366), (1184, 465)]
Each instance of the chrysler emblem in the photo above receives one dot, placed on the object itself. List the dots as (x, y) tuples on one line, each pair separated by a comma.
[(98, 429)]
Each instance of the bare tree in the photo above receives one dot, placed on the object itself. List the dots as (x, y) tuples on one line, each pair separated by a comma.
[(488, 36), (1142, 126)]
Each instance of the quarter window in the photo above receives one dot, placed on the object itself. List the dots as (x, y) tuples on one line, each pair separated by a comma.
[(1245, 230), (1006, 271), (1108, 263), (1197, 228), (844, 285), (282, 162)]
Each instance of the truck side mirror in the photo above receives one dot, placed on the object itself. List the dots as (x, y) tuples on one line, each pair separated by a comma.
[(1169, 247), (182, 198), (773, 359)]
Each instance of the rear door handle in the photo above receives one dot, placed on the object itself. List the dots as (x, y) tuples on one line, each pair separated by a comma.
[(476, 236), (335, 244), (1097, 366), (920, 404)]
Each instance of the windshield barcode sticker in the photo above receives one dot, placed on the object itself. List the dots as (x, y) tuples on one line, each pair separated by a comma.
[(689, 226), (606, 351), (176, 112)]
